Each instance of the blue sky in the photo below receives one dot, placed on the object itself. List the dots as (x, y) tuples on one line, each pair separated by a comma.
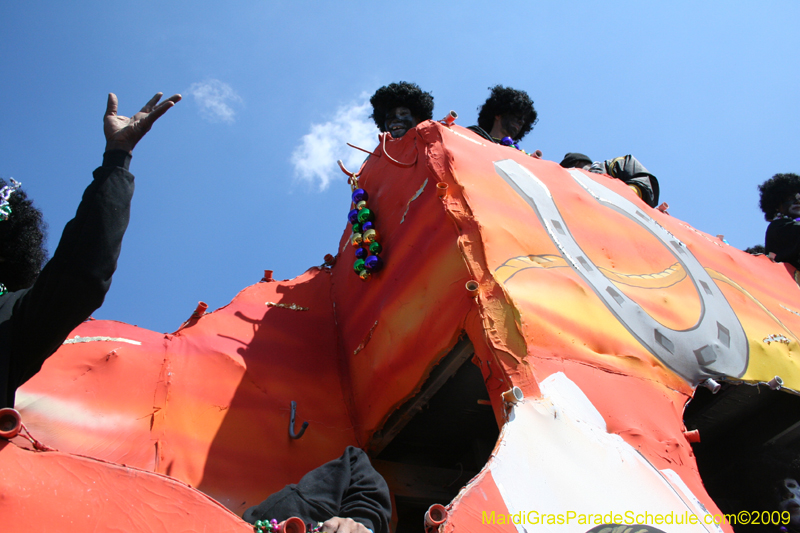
[(241, 176)]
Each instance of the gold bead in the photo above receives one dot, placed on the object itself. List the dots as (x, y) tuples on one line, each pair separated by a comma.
[(370, 236)]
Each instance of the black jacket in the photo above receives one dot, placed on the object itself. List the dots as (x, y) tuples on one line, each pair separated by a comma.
[(631, 171), (347, 487), (35, 321), (783, 239)]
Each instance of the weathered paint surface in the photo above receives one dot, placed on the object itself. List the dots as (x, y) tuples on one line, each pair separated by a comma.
[(54, 491), (579, 283)]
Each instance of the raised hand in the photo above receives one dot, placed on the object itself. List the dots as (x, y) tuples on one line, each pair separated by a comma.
[(122, 133)]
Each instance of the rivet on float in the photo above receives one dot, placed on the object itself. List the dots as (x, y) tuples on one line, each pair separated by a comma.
[(365, 236)]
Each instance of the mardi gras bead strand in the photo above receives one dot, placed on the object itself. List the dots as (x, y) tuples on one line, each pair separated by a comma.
[(508, 141), (5, 194), (272, 526), (365, 236), (5, 211)]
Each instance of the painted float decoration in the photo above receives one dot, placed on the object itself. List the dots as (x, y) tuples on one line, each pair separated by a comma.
[(590, 319)]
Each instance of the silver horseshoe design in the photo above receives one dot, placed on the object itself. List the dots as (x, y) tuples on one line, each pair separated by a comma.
[(715, 346)]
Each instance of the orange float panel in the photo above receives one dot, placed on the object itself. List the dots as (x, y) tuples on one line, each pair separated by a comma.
[(582, 290), (52, 491)]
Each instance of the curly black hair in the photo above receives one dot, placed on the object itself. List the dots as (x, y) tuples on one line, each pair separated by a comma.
[(508, 101), (756, 249), (22, 242), (777, 190), (402, 94)]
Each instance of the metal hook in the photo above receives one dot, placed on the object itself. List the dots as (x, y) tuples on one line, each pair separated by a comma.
[(292, 434), (351, 175), (383, 137), (376, 154)]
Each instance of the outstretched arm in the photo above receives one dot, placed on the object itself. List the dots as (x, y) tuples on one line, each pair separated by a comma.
[(344, 525), (122, 133), (348, 494), (74, 282)]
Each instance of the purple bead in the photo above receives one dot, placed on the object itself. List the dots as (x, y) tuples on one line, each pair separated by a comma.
[(373, 263), (508, 141), (359, 194), (367, 225), (361, 253), (352, 216)]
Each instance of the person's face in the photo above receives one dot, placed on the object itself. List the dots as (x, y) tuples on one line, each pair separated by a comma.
[(510, 125), (790, 500), (399, 121), (791, 207)]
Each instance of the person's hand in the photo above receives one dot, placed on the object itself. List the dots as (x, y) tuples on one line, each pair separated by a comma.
[(343, 525), (122, 133)]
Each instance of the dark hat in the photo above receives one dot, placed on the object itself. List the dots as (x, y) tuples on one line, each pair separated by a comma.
[(572, 159)]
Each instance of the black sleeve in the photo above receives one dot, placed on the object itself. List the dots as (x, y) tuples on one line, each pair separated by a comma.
[(35, 321), (367, 498), (632, 172), (347, 487), (783, 239)]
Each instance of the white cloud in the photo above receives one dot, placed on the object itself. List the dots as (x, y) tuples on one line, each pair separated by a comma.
[(215, 98), (315, 158)]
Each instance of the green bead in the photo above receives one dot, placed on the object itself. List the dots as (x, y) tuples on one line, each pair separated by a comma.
[(356, 228), (375, 248), (364, 215), (358, 266)]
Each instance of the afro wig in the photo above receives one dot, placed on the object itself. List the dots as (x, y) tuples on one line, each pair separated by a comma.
[(777, 190), (402, 94), (22, 242), (756, 249), (508, 101)]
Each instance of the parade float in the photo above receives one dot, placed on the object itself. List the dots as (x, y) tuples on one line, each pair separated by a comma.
[(521, 347)]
